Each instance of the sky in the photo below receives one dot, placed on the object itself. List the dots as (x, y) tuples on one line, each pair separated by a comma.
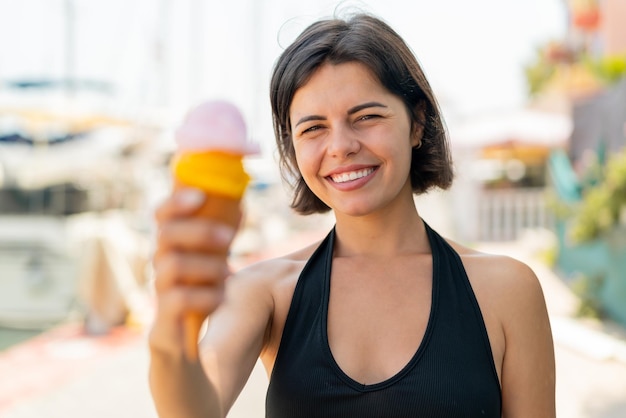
[(175, 53)]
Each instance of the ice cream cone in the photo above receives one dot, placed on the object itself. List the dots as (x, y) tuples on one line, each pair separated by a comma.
[(212, 145), (226, 210)]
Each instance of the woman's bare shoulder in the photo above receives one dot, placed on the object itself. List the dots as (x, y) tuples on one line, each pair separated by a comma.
[(495, 268), (263, 287), (273, 270), (502, 282), (273, 280)]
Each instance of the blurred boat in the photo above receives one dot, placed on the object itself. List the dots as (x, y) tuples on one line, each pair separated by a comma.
[(63, 178)]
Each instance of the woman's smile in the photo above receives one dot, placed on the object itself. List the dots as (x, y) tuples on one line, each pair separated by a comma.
[(352, 179), (349, 176)]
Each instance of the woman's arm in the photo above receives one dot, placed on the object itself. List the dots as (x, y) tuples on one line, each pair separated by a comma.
[(191, 276), (528, 369), (235, 336)]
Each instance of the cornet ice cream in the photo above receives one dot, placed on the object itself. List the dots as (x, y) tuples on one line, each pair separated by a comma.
[(211, 144)]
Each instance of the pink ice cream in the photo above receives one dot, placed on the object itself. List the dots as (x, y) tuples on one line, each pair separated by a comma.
[(215, 125), (212, 142)]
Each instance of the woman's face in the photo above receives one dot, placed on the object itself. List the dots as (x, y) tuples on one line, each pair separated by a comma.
[(352, 139)]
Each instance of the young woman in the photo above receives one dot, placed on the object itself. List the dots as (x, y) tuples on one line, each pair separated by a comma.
[(384, 317)]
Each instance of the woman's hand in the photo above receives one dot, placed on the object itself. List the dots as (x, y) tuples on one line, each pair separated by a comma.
[(190, 267)]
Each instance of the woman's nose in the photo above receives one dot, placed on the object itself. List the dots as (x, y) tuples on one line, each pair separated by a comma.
[(343, 141)]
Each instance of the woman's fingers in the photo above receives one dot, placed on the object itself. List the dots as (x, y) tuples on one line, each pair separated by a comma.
[(190, 266), (189, 269), (194, 234), (179, 230), (182, 202), (184, 283), (181, 300)]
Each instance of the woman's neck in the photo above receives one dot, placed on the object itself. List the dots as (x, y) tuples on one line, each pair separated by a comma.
[(399, 231)]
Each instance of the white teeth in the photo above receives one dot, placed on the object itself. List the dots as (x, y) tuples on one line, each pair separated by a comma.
[(353, 175)]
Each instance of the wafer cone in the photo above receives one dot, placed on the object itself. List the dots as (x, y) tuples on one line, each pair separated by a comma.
[(226, 210)]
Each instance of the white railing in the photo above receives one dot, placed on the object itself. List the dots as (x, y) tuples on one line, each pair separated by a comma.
[(504, 214)]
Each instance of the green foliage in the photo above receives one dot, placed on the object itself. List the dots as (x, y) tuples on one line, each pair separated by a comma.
[(559, 208), (588, 289), (609, 69), (603, 206), (549, 255), (551, 59), (538, 74)]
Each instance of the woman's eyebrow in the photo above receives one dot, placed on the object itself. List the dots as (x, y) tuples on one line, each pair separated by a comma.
[(310, 118), (357, 108)]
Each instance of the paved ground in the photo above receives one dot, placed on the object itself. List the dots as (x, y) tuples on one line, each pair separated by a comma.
[(107, 376)]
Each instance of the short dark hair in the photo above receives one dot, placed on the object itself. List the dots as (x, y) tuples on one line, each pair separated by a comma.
[(370, 41)]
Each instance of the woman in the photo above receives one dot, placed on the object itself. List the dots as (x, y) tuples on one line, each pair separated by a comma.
[(384, 317)]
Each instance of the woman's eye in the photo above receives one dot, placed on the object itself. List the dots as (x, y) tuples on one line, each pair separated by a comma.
[(311, 129), (367, 117)]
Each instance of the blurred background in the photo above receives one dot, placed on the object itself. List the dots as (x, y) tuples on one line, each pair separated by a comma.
[(91, 92)]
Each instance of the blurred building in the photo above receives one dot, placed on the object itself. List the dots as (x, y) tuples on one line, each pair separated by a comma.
[(612, 30), (577, 105), (599, 22), (501, 159), (596, 41), (586, 71)]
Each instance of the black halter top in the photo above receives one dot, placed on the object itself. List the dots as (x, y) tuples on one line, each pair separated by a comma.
[(452, 373)]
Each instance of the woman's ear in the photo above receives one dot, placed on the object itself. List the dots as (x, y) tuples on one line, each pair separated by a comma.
[(417, 126), (417, 131)]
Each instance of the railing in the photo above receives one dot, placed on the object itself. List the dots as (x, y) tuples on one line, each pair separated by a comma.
[(504, 214)]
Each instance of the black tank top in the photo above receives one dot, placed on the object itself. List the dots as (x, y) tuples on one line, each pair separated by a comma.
[(452, 373)]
